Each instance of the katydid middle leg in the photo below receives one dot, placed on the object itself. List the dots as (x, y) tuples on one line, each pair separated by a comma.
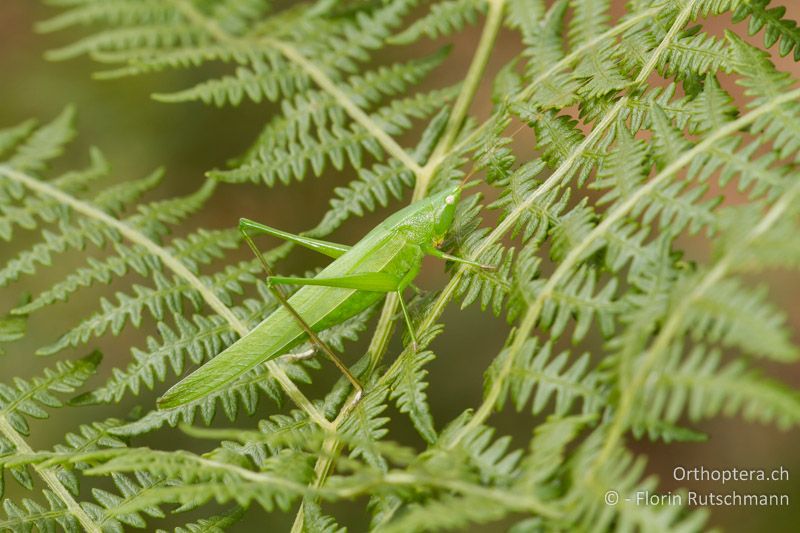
[(245, 227), (372, 281), (407, 318)]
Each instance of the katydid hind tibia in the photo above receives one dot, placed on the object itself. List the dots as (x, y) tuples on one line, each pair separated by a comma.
[(386, 260)]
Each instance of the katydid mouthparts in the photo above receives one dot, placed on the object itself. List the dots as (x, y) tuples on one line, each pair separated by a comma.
[(386, 260)]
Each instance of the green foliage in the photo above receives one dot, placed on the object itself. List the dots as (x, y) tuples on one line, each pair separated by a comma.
[(30, 398), (647, 129)]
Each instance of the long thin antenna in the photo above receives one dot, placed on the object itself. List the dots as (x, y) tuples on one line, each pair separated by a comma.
[(468, 176)]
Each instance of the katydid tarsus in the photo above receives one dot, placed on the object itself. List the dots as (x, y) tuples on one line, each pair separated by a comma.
[(386, 260)]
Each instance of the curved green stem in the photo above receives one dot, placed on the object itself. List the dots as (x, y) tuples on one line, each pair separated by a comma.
[(494, 19)]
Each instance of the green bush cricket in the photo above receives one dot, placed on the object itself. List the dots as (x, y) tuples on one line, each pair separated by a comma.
[(386, 260)]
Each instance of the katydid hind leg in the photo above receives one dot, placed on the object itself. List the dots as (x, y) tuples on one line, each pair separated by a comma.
[(322, 345), (312, 335), (331, 249)]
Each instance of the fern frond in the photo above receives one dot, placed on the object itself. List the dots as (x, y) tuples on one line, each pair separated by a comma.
[(76, 233), (354, 41), (577, 299), (10, 137), (288, 154), (238, 16), (322, 111), (702, 387), (157, 35), (373, 188), (35, 210), (196, 249), (534, 367), (268, 79), (214, 524), (112, 12), (444, 18), (737, 316), (666, 432), (544, 48), (448, 512), (29, 515), (366, 427), (409, 393), (12, 327), (763, 81), (206, 478), (695, 54), (112, 512), (558, 137), (293, 162), (70, 236), (776, 28), (638, 108), (489, 286), (624, 474), (316, 521), (32, 398), (44, 143), (548, 451)]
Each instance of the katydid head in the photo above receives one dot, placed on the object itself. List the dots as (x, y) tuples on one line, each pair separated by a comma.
[(445, 212), (444, 205)]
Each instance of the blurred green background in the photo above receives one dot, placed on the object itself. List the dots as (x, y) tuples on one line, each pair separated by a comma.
[(138, 134)]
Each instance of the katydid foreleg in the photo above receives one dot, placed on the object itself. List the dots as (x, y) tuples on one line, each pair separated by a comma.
[(435, 252)]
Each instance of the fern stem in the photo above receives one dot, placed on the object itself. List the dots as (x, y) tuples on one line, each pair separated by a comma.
[(673, 323), (567, 60), (494, 19), (50, 478), (355, 112), (173, 264)]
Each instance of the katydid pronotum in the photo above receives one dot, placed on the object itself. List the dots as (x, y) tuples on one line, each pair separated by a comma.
[(386, 260)]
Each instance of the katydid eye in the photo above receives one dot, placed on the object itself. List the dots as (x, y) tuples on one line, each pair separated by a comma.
[(449, 200)]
